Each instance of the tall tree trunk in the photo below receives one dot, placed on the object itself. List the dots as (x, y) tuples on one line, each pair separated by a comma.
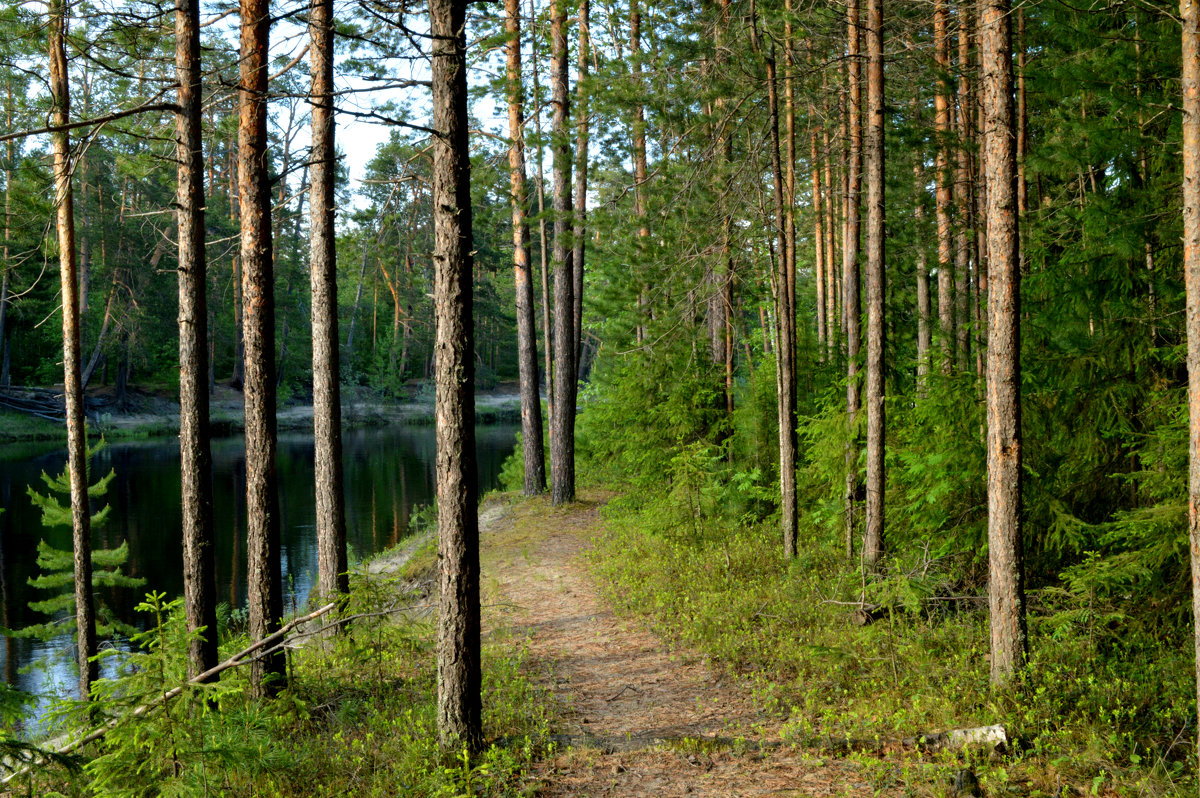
[(581, 179), (1189, 11), (924, 311), (789, 171), (832, 325), (962, 259), (942, 126), (332, 577), (195, 454), (640, 171), (85, 614), (562, 417), (258, 322), (460, 721), (6, 267), (785, 378), (850, 281), (1023, 135), (547, 329), (818, 239), (531, 401), (1006, 593), (873, 531)]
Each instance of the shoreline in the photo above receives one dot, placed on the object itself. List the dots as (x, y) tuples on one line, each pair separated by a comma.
[(151, 415)]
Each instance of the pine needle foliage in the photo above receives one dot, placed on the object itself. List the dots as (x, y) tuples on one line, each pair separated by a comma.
[(58, 565)]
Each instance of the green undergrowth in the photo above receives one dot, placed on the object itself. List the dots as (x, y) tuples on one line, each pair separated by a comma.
[(358, 718), (1103, 709)]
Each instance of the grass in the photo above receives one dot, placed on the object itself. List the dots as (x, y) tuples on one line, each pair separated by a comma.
[(1102, 710)]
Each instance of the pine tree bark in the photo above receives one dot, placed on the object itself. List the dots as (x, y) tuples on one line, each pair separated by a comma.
[(85, 613), (1006, 595), (531, 401), (547, 329), (943, 129), (581, 180), (832, 325), (785, 344), (851, 307), (818, 240), (1189, 12), (924, 310), (962, 259), (199, 541), (640, 170), (264, 587), (873, 540), (332, 576), (562, 417), (459, 676)]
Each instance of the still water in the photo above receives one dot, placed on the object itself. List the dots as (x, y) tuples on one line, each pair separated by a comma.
[(389, 472)]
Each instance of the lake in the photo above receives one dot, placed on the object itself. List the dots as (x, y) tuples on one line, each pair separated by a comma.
[(389, 472)]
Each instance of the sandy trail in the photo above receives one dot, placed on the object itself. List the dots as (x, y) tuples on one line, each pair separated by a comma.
[(639, 718)]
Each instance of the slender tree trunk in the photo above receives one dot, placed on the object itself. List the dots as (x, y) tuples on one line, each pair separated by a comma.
[(1023, 133), (640, 171), (818, 240), (962, 260), (942, 126), (832, 325), (850, 281), (581, 179), (5, 267), (547, 329), (199, 541), (1189, 11), (785, 377), (85, 614), (924, 311), (531, 401), (789, 181), (460, 721), (362, 276), (873, 532), (258, 318), (1006, 594), (332, 577), (562, 417)]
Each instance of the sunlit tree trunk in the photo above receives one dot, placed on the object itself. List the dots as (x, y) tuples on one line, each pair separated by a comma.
[(459, 675), (963, 195), (531, 402), (199, 554), (1006, 595), (873, 530), (332, 577), (265, 594), (64, 200), (785, 350), (850, 281), (943, 128), (547, 329), (581, 180), (562, 417), (1189, 12), (638, 134), (818, 239)]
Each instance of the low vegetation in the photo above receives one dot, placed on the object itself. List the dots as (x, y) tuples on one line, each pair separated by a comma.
[(359, 717)]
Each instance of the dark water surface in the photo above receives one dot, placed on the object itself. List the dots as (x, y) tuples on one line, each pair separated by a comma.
[(389, 472)]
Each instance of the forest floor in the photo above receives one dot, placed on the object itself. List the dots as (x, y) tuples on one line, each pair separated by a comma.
[(636, 716)]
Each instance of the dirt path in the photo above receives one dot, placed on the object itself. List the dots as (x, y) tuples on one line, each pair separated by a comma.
[(638, 718)]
